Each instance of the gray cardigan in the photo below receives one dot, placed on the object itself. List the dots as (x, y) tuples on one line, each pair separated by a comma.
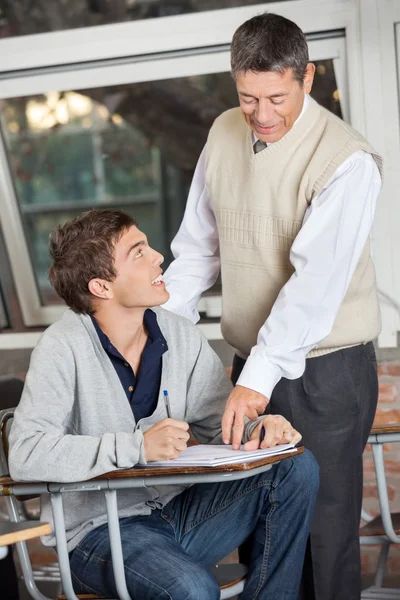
[(74, 421)]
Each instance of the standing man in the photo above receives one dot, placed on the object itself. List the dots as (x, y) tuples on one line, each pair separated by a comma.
[(282, 202)]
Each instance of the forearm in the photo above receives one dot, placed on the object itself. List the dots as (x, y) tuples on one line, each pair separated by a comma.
[(53, 456)]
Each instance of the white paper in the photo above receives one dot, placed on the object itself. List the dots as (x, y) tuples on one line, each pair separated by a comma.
[(207, 455)]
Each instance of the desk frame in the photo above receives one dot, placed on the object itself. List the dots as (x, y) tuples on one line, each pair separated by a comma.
[(109, 484)]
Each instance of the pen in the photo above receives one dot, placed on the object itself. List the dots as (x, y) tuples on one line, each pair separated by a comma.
[(167, 405)]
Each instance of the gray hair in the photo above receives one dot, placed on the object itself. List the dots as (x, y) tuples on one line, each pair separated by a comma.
[(269, 42)]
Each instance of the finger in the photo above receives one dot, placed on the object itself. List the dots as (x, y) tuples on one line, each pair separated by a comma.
[(269, 437), (180, 445), (227, 422), (176, 423), (296, 438), (237, 429), (279, 429), (252, 413), (252, 444)]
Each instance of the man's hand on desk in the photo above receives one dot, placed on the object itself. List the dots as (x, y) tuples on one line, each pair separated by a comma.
[(277, 431), (165, 440), (242, 402)]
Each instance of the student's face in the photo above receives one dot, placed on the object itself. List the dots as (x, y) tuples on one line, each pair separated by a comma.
[(138, 282), (271, 102)]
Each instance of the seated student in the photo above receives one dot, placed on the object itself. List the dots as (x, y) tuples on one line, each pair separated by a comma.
[(93, 402)]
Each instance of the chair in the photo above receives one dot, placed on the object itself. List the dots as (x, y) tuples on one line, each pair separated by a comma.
[(231, 578), (385, 528)]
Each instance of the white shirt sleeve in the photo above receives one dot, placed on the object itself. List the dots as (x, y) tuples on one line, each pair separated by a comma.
[(196, 250), (324, 255)]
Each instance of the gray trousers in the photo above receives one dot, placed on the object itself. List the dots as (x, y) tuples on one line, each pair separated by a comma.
[(333, 405)]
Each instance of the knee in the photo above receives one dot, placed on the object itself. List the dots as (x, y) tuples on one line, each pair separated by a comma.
[(306, 474), (197, 584)]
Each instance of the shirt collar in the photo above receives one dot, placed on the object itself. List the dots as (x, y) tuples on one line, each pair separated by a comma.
[(303, 110)]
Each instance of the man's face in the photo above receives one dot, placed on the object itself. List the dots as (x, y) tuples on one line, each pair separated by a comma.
[(271, 102), (138, 283)]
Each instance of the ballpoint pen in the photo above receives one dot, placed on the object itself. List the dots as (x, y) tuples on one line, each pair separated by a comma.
[(167, 404)]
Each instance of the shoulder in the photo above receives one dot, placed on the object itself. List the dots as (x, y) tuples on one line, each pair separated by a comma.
[(62, 335), (170, 323), (229, 121)]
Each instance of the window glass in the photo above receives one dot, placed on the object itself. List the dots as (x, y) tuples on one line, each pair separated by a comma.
[(133, 147), (48, 15)]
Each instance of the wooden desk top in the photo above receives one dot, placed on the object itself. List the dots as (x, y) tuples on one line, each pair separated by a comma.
[(390, 428), (10, 533), (157, 471), (140, 472)]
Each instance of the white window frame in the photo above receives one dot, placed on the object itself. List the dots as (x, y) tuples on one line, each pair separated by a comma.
[(57, 61)]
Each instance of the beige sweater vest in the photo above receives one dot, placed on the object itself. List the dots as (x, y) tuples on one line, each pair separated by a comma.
[(259, 201)]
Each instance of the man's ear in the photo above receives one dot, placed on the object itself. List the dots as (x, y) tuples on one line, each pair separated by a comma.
[(309, 78), (100, 288)]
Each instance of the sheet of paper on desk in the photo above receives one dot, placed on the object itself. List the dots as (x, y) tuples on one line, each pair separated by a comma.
[(205, 455)]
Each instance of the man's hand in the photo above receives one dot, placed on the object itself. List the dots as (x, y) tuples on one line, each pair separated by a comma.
[(165, 440), (242, 402), (277, 431)]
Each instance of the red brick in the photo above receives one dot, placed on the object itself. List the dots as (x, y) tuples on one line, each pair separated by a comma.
[(382, 369), (393, 369), (370, 491), (392, 467), (369, 468), (385, 416), (365, 563), (387, 392), (394, 563)]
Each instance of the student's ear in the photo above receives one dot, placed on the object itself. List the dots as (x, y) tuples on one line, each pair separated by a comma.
[(100, 288)]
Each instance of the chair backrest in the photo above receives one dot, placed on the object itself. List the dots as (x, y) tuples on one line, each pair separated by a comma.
[(5, 417), (10, 391)]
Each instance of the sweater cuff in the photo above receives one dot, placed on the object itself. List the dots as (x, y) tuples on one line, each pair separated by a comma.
[(130, 449), (259, 374)]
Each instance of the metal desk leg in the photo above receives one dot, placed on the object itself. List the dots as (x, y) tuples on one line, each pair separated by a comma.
[(61, 543), (116, 545), (23, 554)]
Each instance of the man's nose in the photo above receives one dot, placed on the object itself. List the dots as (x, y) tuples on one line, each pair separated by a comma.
[(264, 111), (158, 258)]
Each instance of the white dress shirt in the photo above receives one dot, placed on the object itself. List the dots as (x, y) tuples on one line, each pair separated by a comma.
[(324, 256)]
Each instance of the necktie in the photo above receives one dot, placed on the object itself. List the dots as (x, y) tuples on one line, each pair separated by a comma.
[(259, 146)]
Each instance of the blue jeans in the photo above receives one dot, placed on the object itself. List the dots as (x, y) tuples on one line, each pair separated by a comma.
[(167, 554)]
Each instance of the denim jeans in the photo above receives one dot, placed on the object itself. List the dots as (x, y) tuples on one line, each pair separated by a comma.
[(167, 554)]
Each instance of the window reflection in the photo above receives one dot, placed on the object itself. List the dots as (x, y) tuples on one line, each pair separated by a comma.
[(133, 147), (47, 15)]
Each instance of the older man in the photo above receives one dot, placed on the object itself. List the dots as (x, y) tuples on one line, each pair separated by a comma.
[(282, 202)]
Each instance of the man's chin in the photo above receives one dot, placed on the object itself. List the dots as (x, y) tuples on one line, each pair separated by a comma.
[(160, 298)]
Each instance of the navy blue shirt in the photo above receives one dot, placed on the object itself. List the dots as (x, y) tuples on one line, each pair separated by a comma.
[(142, 389)]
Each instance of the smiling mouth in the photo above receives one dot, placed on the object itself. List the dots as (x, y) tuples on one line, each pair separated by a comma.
[(158, 280), (262, 128)]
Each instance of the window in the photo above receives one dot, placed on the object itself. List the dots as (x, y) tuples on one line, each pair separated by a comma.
[(48, 15), (132, 147), (126, 135)]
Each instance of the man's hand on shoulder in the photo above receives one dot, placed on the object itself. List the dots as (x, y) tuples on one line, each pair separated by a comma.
[(278, 430), (165, 440), (242, 402)]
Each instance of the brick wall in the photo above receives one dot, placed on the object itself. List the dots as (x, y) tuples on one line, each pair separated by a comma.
[(388, 412)]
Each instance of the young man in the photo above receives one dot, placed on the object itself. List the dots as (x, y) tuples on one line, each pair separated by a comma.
[(93, 403)]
